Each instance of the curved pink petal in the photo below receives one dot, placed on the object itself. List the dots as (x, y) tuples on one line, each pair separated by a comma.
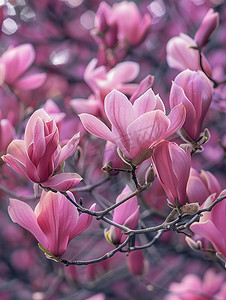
[(90, 106), (22, 214), (144, 85), (84, 222), (56, 219), (30, 82), (123, 72), (147, 102), (146, 131), (28, 135), (96, 127), (63, 181), (211, 233), (177, 117), (17, 149), (119, 111), (15, 164), (67, 150)]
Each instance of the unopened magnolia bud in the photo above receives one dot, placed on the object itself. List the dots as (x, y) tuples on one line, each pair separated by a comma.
[(190, 208), (207, 27), (150, 175), (194, 245)]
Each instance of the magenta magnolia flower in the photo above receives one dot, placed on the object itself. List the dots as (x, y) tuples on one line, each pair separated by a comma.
[(212, 286), (201, 185), (172, 166), (126, 214), (212, 224), (112, 19), (208, 25), (135, 127), (102, 82), (181, 56), (194, 90), (54, 222), (15, 62), (39, 156)]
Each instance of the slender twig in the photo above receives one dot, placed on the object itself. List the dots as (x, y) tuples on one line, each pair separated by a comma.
[(155, 238), (105, 256)]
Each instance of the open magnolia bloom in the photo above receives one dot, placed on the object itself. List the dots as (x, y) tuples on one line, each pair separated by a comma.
[(54, 222), (135, 127), (212, 224), (39, 156)]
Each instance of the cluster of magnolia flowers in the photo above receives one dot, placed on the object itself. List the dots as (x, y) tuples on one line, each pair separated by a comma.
[(133, 121)]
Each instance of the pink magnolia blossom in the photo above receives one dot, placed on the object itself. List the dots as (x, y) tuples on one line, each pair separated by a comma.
[(135, 127), (194, 90), (39, 156), (111, 22), (127, 214), (102, 82), (137, 263), (201, 185), (15, 62), (181, 56), (208, 25), (212, 286), (211, 225), (54, 222), (172, 166)]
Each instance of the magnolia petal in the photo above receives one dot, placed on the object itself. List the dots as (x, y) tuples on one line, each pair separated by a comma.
[(177, 117), (119, 111), (144, 85), (22, 214), (123, 72), (146, 131), (57, 217), (147, 102), (63, 181), (211, 233), (67, 150), (16, 165), (84, 222), (96, 127), (90, 106), (29, 130), (17, 60), (30, 82)]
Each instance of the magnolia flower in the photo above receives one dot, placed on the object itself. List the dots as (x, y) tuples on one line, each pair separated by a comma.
[(102, 82), (54, 222), (172, 166), (15, 62), (135, 127), (211, 225), (201, 185), (212, 286), (110, 22), (39, 156), (194, 90), (127, 214), (181, 55), (207, 27)]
